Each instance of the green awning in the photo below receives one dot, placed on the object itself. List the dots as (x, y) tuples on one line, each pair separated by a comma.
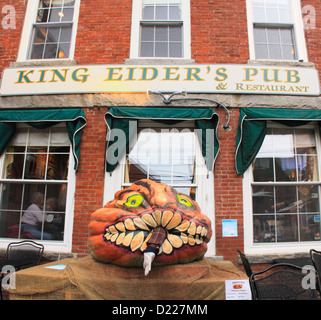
[(121, 118), (43, 118), (252, 129)]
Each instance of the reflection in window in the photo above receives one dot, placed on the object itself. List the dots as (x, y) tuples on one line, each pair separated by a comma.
[(166, 156), (34, 184), (285, 193)]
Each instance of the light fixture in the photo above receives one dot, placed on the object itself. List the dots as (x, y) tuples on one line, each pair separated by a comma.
[(168, 99)]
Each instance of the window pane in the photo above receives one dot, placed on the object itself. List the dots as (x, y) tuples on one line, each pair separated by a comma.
[(147, 33), (65, 35), (67, 14), (261, 51), (310, 227), (273, 36), (287, 228), (264, 228), (148, 12), (174, 13), (161, 49), (50, 51), (13, 165), (147, 49), (286, 199), (275, 52), (175, 50), (37, 51), (53, 35), (161, 33), (263, 199), (308, 199), (161, 13), (175, 33)]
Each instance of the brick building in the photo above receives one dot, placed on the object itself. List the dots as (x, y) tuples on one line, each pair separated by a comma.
[(251, 64)]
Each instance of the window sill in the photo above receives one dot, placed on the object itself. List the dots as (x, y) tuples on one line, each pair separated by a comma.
[(42, 63), (283, 63)]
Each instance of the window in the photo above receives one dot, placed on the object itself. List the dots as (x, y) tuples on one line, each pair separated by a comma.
[(276, 30), (169, 154), (160, 29), (35, 185), (285, 185), (163, 155), (50, 28)]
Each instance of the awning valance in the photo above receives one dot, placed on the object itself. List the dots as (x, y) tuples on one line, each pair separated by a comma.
[(121, 118), (43, 118), (252, 129)]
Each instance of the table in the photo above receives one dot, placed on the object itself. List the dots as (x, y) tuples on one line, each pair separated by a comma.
[(85, 278), (299, 262), (16, 263)]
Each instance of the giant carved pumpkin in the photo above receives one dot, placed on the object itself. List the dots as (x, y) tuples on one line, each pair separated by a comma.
[(119, 232)]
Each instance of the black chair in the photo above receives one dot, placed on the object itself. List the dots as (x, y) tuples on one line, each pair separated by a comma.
[(26, 251), (246, 264), (280, 282), (21, 255), (316, 260)]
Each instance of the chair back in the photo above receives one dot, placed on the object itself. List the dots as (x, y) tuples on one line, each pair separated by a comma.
[(246, 263), (280, 282), (27, 250), (316, 260)]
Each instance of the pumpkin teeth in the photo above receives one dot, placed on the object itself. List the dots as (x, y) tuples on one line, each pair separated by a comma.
[(133, 233)]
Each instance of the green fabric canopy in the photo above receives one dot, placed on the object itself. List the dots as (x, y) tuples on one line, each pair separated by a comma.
[(43, 118), (252, 129), (120, 119)]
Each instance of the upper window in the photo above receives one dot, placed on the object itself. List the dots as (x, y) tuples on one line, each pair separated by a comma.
[(160, 29), (50, 29), (276, 30)]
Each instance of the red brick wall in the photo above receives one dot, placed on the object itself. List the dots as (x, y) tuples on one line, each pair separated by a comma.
[(312, 35), (103, 35), (10, 38), (90, 176), (219, 31), (228, 189)]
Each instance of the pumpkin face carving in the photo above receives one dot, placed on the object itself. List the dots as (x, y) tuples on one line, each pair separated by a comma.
[(119, 232)]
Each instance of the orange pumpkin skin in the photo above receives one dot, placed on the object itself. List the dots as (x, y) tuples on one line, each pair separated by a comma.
[(118, 232)]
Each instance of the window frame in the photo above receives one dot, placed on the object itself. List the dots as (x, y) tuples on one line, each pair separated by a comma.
[(64, 246), (137, 6), (28, 33), (204, 180), (280, 247), (297, 26)]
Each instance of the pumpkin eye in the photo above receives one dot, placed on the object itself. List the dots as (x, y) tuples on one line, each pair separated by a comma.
[(134, 201), (184, 200)]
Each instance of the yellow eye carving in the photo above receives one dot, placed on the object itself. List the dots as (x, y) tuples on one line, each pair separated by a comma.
[(184, 200), (134, 201)]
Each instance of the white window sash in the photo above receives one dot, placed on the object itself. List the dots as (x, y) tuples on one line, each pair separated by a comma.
[(281, 247), (136, 23), (64, 246), (27, 32), (298, 30)]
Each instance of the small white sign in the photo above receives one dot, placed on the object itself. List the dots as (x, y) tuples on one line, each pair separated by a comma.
[(237, 290)]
